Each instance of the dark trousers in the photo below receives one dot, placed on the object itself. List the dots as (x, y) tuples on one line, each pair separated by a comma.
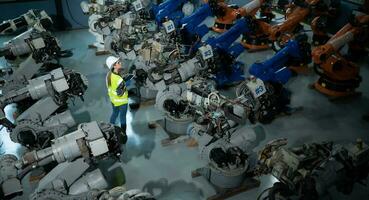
[(120, 111)]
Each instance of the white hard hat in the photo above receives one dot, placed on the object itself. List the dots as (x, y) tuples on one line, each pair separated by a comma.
[(110, 61)]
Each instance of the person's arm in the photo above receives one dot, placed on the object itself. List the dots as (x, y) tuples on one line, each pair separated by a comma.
[(121, 88), (128, 79)]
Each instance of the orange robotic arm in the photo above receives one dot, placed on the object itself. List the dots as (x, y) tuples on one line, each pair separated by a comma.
[(292, 21), (294, 16), (338, 76), (342, 37), (226, 19), (251, 8)]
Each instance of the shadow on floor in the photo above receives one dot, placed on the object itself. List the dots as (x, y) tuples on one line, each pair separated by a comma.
[(141, 142), (178, 190)]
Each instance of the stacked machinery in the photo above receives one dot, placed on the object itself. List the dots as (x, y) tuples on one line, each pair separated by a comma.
[(174, 60), (310, 170), (41, 87), (42, 105), (297, 11), (76, 151), (27, 20), (338, 75)]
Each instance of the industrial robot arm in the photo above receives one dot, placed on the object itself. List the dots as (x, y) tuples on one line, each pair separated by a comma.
[(91, 141), (29, 19), (169, 9), (226, 15), (41, 44), (50, 92), (277, 69), (308, 171), (339, 76)]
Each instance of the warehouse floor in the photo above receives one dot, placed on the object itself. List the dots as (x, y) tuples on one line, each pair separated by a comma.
[(166, 171)]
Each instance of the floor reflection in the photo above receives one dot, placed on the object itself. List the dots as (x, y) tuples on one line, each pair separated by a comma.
[(6, 145)]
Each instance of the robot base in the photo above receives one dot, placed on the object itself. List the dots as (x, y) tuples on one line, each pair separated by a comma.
[(255, 44), (147, 94), (303, 69), (334, 94), (241, 183), (176, 129), (221, 28)]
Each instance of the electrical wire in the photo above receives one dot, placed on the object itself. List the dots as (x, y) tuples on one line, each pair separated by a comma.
[(71, 15)]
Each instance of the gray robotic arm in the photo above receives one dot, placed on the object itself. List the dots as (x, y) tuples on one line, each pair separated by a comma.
[(310, 170), (75, 152), (40, 43), (26, 20), (50, 92)]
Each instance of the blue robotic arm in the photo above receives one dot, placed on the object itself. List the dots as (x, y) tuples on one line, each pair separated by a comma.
[(225, 40), (231, 71), (170, 9), (275, 69), (192, 22)]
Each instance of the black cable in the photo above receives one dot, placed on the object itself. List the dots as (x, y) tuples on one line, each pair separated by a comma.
[(70, 14)]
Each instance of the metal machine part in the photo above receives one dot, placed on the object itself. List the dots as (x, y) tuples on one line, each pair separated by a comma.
[(10, 185), (128, 195), (71, 178), (227, 155), (43, 120), (41, 44), (26, 70), (279, 34), (256, 101), (41, 51), (216, 59), (226, 15), (105, 18), (172, 10), (176, 119), (130, 31), (75, 152), (27, 20), (91, 7), (115, 7), (217, 120), (264, 100), (308, 171), (338, 76), (117, 193), (294, 57)]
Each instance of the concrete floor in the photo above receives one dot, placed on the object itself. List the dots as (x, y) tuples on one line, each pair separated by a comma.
[(166, 171)]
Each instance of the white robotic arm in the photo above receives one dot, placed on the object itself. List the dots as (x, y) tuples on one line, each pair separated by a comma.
[(75, 152), (29, 19)]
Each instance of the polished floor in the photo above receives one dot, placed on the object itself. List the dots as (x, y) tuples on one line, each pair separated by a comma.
[(166, 171)]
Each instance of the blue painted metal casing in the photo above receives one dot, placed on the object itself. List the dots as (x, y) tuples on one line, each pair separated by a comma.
[(236, 50), (274, 69), (170, 9), (225, 40), (193, 21), (223, 44), (223, 78)]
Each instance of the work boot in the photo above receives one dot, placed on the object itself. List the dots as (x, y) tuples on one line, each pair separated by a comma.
[(123, 135), (124, 128), (151, 125)]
